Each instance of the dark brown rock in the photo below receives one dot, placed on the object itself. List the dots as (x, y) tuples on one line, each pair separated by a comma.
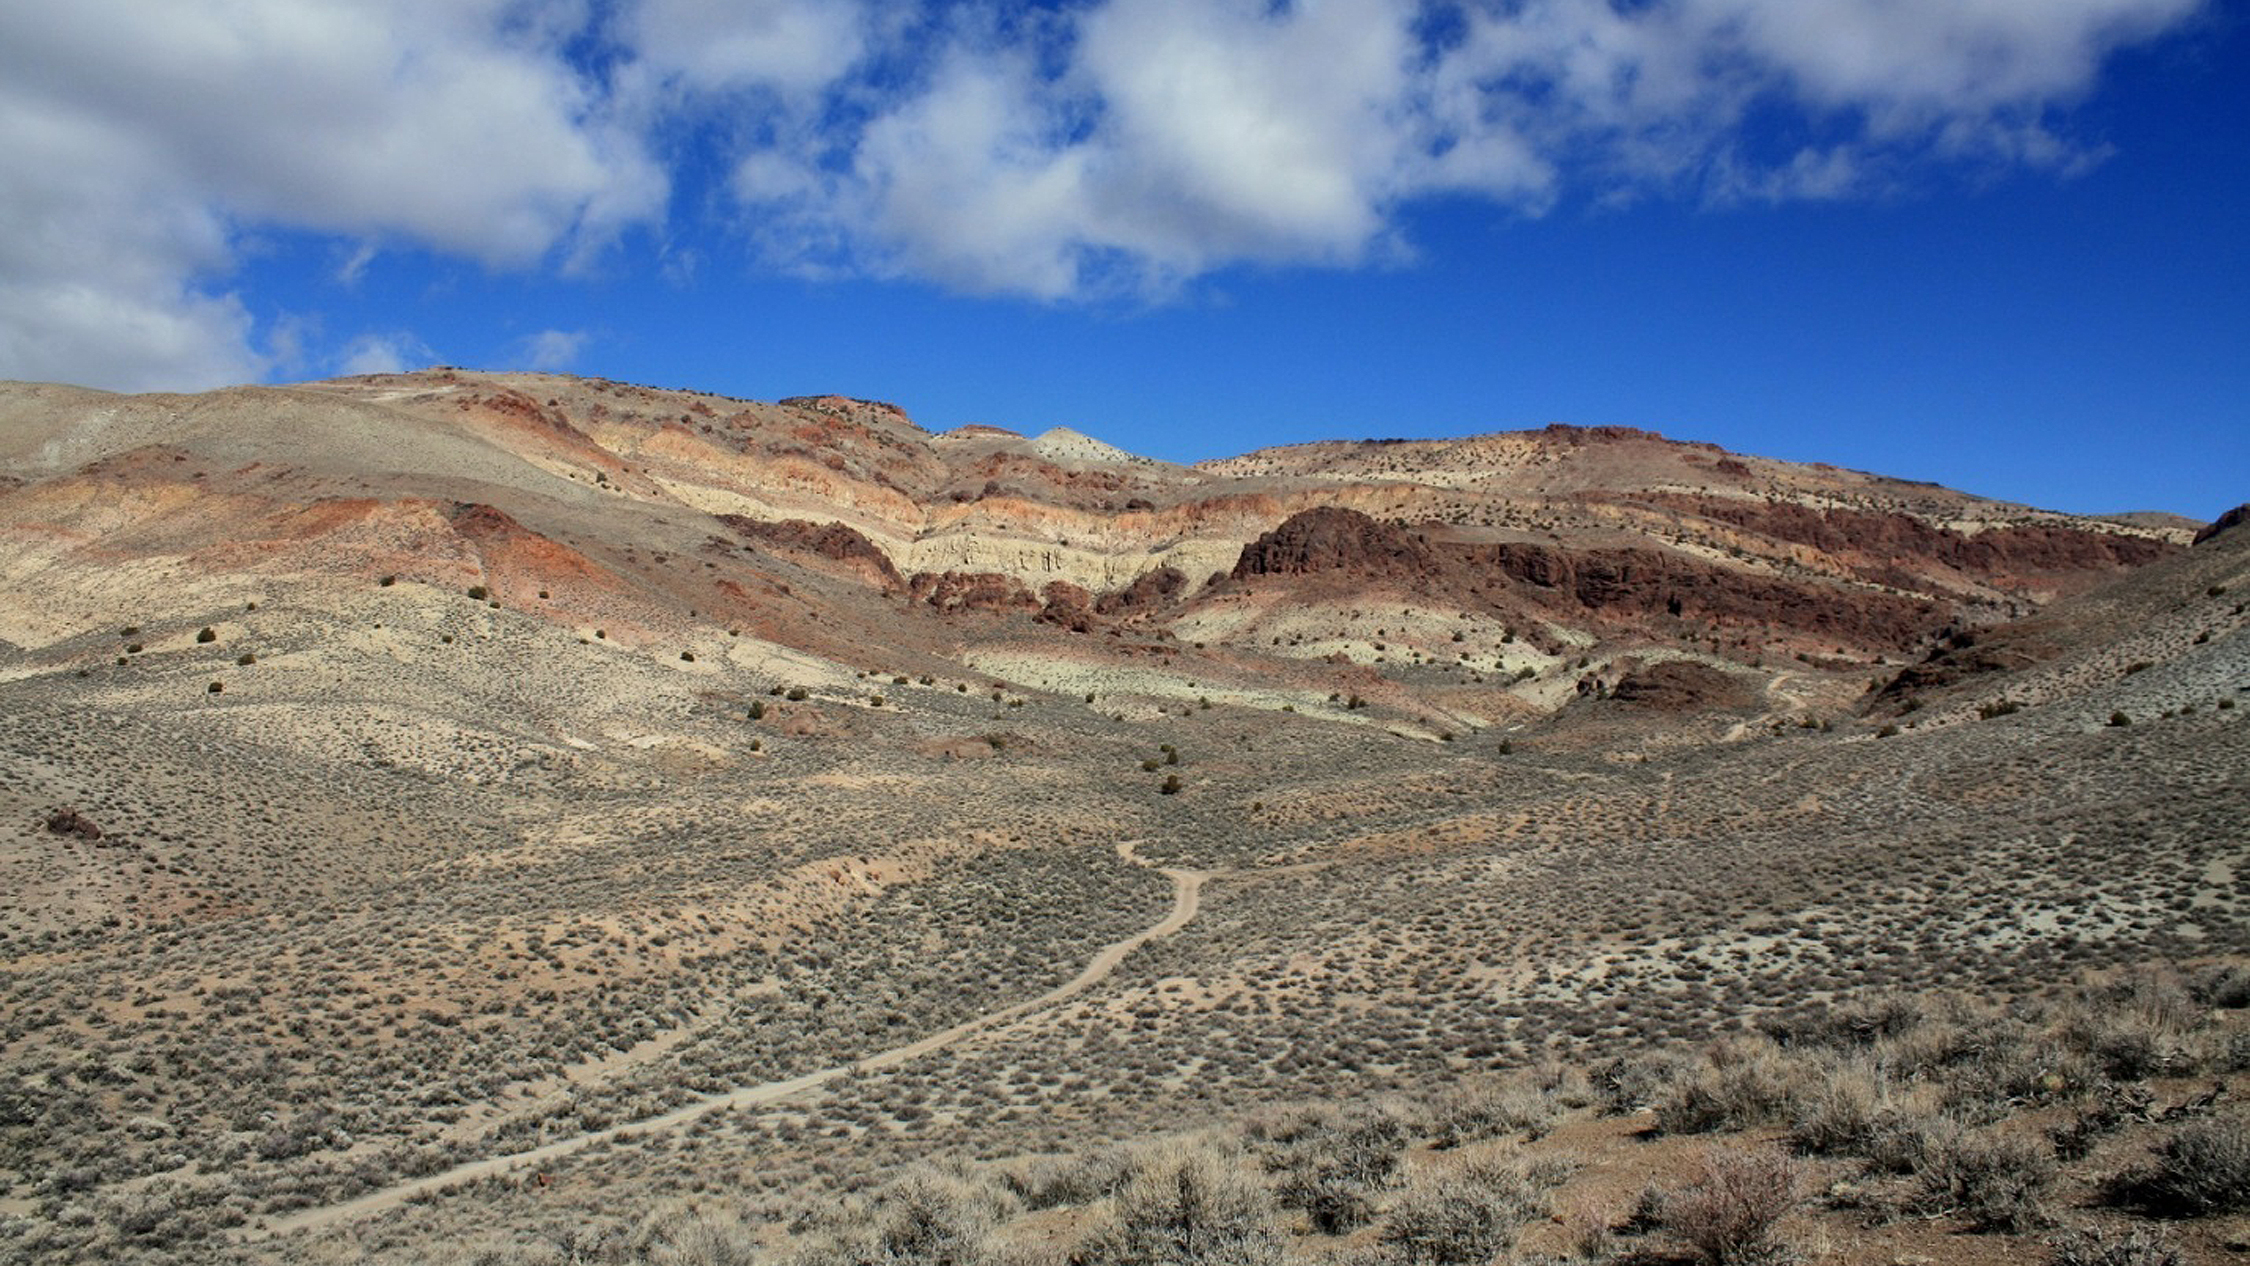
[(1148, 591), (832, 541), (2224, 523), (1640, 583), (1331, 538), (972, 591), (2030, 549), (1679, 685), (68, 821)]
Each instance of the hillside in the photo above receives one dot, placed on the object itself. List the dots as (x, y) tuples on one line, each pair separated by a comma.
[(524, 814)]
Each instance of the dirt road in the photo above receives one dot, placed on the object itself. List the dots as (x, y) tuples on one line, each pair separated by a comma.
[(1187, 886)]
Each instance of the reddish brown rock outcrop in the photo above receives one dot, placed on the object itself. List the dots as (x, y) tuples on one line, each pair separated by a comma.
[(1646, 582), (832, 541), (2022, 550), (1680, 685), (1331, 538), (1149, 591), (69, 821), (1965, 654), (972, 591), (2226, 522), (1067, 606), (519, 560)]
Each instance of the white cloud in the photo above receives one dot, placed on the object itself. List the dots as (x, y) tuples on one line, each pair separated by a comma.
[(389, 353), (1163, 138), (136, 138), (553, 349), (707, 46), (1111, 145)]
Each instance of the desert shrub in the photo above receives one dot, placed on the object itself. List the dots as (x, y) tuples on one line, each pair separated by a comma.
[(1052, 1182), (387, 581), (2111, 1106), (696, 1239), (757, 709), (1467, 1113), (1624, 1085), (1335, 1165), (1999, 1181), (2137, 1247), (1470, 1214), (1731, 1215), (1187, 1204), (1842, 1110), (206, 634), (926, 1217), (2132, 1025), (1742, 1083), (1858, 1023), (478, 592), (797, 694), (2223, 985), (2202, 1169)]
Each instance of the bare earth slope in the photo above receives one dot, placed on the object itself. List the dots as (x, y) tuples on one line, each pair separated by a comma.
[(518, 778)]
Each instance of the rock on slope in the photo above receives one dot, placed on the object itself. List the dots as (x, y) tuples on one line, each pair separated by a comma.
[(838, 529)]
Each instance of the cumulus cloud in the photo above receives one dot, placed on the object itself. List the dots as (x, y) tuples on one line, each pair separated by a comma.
[(384, 353), (791, 47), (553, 349), (140, 140), (1057, 152), (1167, 138)]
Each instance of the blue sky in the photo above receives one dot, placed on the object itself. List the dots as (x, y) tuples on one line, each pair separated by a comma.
[(1999, 244)]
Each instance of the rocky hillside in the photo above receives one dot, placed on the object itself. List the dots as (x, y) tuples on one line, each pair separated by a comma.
[(1460, 582)]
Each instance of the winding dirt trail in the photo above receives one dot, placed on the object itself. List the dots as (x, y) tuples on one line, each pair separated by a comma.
[(1187, 888)]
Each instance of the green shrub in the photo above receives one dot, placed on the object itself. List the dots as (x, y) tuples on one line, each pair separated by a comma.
[(478, 592), (206, 634)]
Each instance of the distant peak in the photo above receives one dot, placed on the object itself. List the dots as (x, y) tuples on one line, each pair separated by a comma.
[(847, 406), (1063, 444)]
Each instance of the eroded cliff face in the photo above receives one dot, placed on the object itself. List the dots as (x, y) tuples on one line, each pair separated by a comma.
[(1622, 590), (838, 527)]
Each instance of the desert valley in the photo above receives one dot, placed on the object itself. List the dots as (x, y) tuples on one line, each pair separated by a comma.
[(502, 817)]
